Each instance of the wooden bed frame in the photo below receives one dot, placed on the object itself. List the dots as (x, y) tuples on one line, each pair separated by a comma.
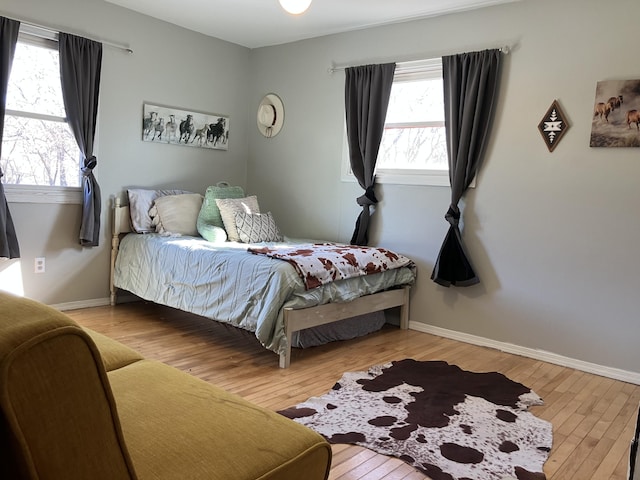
[(294, 319)]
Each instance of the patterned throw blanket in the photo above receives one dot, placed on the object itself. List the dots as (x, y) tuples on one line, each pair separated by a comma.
[(321, 263)]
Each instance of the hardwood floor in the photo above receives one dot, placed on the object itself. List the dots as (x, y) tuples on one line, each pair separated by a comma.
[(593, 417)]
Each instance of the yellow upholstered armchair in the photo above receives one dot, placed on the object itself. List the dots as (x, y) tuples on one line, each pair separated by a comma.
[(77, 405)]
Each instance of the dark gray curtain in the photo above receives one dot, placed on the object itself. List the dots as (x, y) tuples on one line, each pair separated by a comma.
[(80, 66), (470, 94), (9, 247), (367, 92)]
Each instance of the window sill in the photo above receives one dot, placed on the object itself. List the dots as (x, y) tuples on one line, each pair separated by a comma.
[(39, 194), (406, 178), (421, 178), (414, 178)]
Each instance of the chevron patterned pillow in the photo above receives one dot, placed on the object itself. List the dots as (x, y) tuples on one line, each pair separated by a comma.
[(257, 227)]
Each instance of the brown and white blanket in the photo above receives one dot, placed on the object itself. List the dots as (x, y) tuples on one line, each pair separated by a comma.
[(321, 263)]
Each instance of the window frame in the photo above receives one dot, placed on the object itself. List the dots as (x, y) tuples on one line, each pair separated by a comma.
[(15, 193), (406, 71)]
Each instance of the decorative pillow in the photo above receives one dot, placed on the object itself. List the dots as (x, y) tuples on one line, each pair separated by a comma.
[(140, 202), (209, 221), (257, 227), (176, 214), (212, 233), (228, 209)]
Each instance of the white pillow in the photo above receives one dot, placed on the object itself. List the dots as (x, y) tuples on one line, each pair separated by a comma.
[(177, 214), (230, 206), (140, 203), (257, 227)]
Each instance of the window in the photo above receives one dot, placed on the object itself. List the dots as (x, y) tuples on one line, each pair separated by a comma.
[(39, 152), (413, 148)]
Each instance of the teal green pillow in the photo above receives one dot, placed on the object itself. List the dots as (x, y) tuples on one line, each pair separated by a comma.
[(209, 224), (212, 233)]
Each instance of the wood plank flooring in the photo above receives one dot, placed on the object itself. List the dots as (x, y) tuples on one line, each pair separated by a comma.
[(593, 417)]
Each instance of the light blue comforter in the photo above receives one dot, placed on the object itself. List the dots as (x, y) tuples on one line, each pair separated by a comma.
[(226, 283)]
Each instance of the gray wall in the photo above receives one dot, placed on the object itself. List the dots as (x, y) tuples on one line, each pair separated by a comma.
[(169, 66), (553, 235)]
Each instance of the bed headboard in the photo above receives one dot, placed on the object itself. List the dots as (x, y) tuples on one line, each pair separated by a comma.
[(121, 220), (121, 224)]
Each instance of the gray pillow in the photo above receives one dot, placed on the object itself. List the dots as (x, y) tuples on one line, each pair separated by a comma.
[(257, 227)]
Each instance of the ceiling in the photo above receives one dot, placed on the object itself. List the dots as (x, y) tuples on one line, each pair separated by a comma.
[(260, 23)]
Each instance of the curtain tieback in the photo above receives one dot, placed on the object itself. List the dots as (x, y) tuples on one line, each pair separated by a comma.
[(369, 197), (453, 216), (89, 165)]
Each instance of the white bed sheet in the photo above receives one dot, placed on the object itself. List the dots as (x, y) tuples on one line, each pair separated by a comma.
[(226, 283)]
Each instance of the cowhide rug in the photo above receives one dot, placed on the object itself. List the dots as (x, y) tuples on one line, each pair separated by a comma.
[(449, 423)]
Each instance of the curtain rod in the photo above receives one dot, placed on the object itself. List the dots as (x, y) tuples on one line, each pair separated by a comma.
[(53, 31), (505, 49)]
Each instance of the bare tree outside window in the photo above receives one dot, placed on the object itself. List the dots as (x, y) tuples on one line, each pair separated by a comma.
[(38, 147), (414, 136)]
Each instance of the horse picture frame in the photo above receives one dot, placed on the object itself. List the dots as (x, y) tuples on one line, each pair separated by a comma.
[(615, 121), (170, 125)]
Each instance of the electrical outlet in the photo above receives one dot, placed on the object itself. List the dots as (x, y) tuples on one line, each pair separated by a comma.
[(39, 265)]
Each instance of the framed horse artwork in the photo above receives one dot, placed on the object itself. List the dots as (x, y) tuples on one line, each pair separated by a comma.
[(163, 124), (615, 121)]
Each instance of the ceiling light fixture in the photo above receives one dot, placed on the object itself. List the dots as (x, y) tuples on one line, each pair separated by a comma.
[(295, 7)]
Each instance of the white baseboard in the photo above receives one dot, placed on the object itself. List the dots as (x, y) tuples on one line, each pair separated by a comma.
[(96, 302), (615, 373)]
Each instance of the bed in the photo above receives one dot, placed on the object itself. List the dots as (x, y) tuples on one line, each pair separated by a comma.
[(250, 285)]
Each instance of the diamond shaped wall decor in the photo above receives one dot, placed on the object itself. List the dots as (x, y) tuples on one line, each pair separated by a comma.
[(553, 125)]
